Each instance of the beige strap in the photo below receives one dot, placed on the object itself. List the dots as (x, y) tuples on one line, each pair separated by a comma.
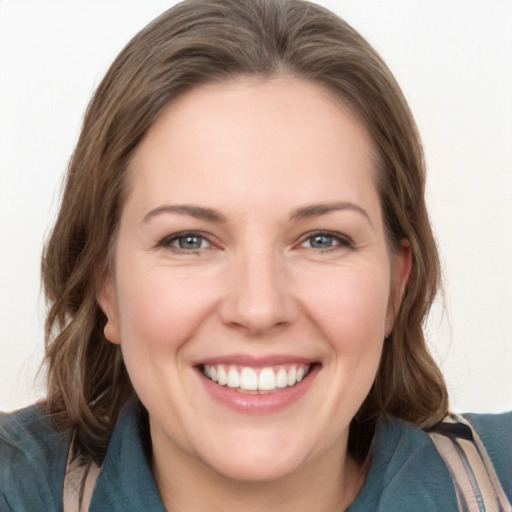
[(476, 484), (79, 481)]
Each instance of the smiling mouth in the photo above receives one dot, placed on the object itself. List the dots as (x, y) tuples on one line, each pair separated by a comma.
[(246, 379)]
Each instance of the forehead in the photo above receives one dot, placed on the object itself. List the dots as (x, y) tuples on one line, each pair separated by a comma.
[(258, 137)]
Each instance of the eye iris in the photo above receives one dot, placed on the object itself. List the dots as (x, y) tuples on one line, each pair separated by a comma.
[(321, 241), (190, 242)]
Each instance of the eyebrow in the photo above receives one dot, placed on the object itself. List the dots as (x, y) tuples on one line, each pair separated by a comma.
[(184, 209), (315, 210), (198, 212)]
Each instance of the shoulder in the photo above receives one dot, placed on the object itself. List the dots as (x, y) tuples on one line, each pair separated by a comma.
[(32, 461), (406, 472), (495, 432)]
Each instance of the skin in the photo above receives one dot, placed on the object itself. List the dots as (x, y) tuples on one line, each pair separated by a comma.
[(255, 152)]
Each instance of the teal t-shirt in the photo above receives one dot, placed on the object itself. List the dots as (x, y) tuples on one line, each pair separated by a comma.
[(406, 472)]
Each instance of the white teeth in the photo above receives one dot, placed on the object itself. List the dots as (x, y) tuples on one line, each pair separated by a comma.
[(292, 376), (266, 379), (249, 379), (282, 378), (222, 376), (233, 378)]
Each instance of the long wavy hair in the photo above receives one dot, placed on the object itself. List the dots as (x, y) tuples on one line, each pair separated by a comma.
[(195, 42)]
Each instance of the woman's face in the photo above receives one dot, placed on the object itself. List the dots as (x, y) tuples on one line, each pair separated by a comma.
[(252, 283)]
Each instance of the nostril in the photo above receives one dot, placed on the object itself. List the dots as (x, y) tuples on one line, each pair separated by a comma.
[(258, 317)]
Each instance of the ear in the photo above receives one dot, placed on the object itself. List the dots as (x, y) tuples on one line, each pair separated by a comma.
[(105, 296), (400, 270)]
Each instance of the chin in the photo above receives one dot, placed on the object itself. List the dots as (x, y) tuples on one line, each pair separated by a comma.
[(258, 457), (258, 469)]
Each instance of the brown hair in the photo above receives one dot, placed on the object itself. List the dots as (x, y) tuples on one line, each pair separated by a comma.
[(200, 41)]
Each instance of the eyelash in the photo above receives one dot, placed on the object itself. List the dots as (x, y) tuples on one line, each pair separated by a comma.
[(168, 241), (339, 241)]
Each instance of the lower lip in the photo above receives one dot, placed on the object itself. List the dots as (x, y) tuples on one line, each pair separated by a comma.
[(265, 403)]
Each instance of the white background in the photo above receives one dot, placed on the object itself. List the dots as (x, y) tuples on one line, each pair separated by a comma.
[(453, 59)]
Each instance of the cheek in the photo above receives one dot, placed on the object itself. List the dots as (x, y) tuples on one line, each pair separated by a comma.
[(349, 312), (157, 312), (351, 307)]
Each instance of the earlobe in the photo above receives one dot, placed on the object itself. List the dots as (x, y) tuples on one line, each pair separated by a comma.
[(111, 332), (403, 264), (105, 297), (401, 269)]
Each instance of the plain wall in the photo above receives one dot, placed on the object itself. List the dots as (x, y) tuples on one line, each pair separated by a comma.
[(453, 59)]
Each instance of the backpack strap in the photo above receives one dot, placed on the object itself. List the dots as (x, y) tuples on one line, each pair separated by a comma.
[(476, 484), (79, 481)]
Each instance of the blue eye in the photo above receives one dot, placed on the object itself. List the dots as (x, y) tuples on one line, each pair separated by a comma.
[(190, 242), (185, 241), (325, 241), (321, 241)]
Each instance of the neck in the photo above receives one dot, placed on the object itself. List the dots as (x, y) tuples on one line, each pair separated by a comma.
[(328, 484)]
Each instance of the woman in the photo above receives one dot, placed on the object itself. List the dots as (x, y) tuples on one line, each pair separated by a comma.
[(237, 282)]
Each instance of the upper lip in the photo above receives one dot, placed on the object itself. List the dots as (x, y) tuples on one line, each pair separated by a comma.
[(253, 361)]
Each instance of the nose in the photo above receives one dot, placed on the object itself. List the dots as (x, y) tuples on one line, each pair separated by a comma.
[(259, 296)]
